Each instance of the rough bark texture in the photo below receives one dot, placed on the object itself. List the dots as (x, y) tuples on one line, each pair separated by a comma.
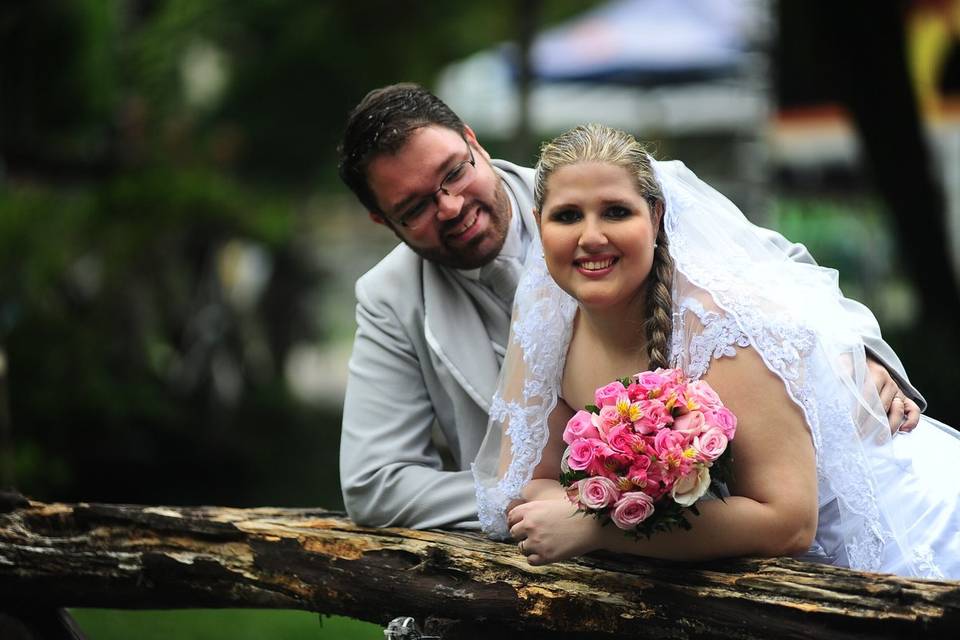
[(461, 585)]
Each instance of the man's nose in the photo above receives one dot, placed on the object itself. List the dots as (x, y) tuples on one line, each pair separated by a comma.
[(448, 207)]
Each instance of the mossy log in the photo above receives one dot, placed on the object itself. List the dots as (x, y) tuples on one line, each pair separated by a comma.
[(460, 584)]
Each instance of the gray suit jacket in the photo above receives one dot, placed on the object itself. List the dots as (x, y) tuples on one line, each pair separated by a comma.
[(421, 357)]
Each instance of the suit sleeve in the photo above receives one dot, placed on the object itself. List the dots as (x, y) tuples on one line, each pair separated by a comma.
[(390, 470), (869, 327)]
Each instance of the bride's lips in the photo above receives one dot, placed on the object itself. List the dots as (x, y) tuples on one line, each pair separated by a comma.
[(596, 266), (467, 226)]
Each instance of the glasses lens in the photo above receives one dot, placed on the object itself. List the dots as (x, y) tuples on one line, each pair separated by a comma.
[(459, 178), (424, 211)]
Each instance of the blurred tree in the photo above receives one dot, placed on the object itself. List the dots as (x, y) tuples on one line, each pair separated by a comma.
[(154, 160), (855, 53)]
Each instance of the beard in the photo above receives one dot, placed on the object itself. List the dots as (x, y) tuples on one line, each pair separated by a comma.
[(480, 250)]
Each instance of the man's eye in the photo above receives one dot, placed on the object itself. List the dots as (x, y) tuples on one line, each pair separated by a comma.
[(415, 212), (455, 175)]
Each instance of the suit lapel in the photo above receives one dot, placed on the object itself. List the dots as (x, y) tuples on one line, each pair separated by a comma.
[(456, 334)]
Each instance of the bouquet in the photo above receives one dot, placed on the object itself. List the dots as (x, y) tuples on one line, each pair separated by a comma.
[(647, 451)]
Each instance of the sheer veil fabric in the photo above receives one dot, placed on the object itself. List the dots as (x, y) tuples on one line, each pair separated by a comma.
[(733, 289)]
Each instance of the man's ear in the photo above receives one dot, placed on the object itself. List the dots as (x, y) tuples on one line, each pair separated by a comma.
[(472, 140)]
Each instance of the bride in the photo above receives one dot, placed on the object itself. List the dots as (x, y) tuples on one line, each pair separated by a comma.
[(646, 266)]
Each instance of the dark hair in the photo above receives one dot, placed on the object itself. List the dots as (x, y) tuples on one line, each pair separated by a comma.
[(382, 123)]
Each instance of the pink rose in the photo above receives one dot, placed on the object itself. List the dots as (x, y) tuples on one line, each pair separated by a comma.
[(668, 442), (580, 426), (725, 420), (703, 395), (582, 453), (607, 394), (653, 417), (690, 424), (631, 509), (622, 439), (608, 418), (636, 392), (711, 444), (652, 382), (597, 492)]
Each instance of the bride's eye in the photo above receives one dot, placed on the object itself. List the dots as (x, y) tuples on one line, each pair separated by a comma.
[(565, 216), (617, 212)]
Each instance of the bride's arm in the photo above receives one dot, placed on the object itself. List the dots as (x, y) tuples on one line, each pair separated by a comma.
[(546, 477), (773, 509)]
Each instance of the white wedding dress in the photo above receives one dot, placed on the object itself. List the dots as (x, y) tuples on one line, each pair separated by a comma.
[(887, 503)]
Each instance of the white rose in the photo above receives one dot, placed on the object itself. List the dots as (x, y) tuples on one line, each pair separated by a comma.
[(691, 487)]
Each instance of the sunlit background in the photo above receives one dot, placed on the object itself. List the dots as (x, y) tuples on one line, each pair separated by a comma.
[(177, 256)]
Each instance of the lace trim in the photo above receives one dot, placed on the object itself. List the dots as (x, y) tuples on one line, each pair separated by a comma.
[(788, 349), (719, 335), (524, 420)]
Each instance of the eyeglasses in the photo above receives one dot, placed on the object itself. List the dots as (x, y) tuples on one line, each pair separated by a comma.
[(453, 184)]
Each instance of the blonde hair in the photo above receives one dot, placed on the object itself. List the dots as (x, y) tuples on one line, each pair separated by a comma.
[(600, 143)]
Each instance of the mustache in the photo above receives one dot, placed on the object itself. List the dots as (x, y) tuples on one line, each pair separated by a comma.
[(467, 206)]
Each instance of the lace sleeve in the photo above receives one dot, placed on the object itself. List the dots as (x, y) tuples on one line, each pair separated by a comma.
[(526, 395)]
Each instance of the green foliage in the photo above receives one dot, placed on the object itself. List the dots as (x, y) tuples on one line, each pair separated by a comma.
[(232, 624), (144, 144)]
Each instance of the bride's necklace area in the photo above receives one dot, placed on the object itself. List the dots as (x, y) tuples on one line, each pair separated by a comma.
[(593, 362)]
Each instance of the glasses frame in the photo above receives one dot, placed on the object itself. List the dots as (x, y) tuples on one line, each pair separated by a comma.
[(403, 219)]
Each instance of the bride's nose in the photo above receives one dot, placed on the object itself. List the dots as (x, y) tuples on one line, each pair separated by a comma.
[(592, 235)]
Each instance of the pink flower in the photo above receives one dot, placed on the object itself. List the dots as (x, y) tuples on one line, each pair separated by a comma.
[(607, 394), (653, 417), (703, 395), (608, 418), (636, 392), (637, 474), (622, 439), (631, 509), (582, 454), (597, 492), (725, 420), (667, 442), (580, 426), (711, 444), (690, 424)]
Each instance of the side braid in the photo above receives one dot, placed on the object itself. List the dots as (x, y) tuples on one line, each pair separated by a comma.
[(658, 326)]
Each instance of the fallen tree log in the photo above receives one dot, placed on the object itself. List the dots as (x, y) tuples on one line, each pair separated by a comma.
[(462, 585)]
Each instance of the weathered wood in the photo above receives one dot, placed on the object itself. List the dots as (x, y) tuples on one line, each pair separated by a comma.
[(125, 556)]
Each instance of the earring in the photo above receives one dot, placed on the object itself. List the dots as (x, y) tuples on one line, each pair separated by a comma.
[(655, 245)]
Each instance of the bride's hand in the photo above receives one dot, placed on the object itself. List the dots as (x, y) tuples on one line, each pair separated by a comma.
[(552, 530), (902, 412)]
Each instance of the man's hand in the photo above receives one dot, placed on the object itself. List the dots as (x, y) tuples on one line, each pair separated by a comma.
[(902, 412)]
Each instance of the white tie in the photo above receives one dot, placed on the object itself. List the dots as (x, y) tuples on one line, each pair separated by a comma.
[(502, 276)]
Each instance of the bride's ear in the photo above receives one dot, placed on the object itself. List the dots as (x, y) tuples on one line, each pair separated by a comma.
[(657, 213), (536, 216)]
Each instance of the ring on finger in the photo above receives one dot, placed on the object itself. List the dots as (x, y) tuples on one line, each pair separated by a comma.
[(520, 546)]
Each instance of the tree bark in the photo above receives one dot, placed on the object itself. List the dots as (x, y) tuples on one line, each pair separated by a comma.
[(461, 584)]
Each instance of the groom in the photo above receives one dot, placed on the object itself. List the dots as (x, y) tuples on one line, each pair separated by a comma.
[(433, 316)]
